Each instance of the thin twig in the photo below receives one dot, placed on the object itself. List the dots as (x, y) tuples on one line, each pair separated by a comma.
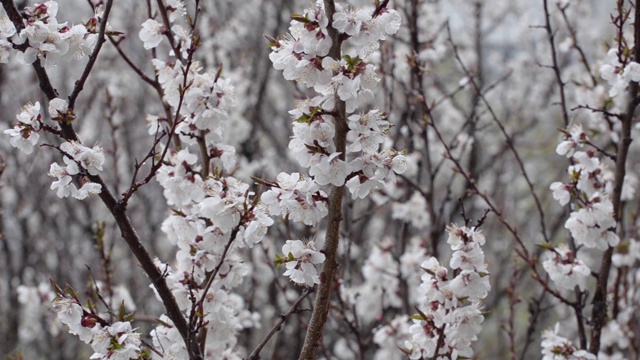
[(255, 354)]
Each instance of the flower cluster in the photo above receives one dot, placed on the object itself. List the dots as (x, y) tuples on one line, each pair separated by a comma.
[(591, 222), (450, 308), (153, 32), (117, 341), (7, 30), (556, 347), (206, 100), (591, 181), (302, 55), (79, 160), (46, 39), (300, 259), (36, 307), (380, 273), (24, 134), (618, 75), (300, 199), (214, 214), (213, 218), (392, 337), (565, 270), (413, 211)]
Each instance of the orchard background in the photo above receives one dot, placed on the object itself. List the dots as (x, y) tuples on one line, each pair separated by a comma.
[(333, 179)]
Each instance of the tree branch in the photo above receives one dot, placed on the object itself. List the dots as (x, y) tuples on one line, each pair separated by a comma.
[(599, 311), (117, 209), (255, 354), (320, 312)]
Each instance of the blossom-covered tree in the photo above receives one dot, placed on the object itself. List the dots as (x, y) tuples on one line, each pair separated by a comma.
[(353, 179)]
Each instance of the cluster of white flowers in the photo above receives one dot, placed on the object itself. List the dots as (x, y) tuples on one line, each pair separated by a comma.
[(627, 253), (214, 214), (591, 222), (556, 347), (450, 309), (618, 75), (47, 39), (153, 32), (7, 30), (24, 134), (213, 218), (117, 341), (591, 181), (300, 199), (413, 211), (379, 292), (392, 337), (565, 270), (35, 302), (302, 55), (300, 259), (79, 160), (380, 287), (206, 101)]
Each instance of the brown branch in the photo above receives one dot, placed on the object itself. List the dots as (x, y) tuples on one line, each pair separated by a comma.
[(313, 338), (599, 311), (574, 38), (255, 354), (134, 67), (79, 85), (169, 34), (556, 66)]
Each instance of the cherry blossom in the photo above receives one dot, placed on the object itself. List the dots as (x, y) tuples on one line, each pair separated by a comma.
[(23, 138), (300, 199), (90, 159), (48, 40), (413, 211), (561, 192), (618, 75), (565, 270), (300, 259), (151, 34), (79, 160), (556, 347), (593, 225), (574, 137), (117, 341), (58, 108), (451, 308)]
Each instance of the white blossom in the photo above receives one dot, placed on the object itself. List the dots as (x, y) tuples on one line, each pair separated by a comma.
[(556, 347), (564, 269), (301, 260), (151, 33), (23, 138), (561, 192), (300, 199)]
